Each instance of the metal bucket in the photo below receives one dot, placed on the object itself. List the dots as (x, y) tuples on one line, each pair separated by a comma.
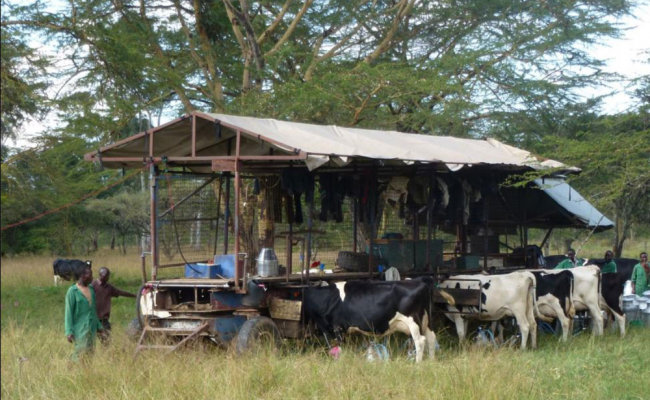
[(267, 263), (630, 304)]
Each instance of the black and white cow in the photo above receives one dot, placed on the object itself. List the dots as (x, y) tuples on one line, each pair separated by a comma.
[(66, 270), (612, 288), (375, 308), (510, 295), (554, 297), (610, 299), (586, 292)]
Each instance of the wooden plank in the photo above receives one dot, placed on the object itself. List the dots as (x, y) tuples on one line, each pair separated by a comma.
[(285, 309)]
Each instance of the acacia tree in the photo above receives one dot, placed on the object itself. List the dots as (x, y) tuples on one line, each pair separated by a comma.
[(125, 213), (613, 152), (411, 65)]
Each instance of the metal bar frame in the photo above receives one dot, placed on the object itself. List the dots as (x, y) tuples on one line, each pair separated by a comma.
[(237, 209), (153, 187)]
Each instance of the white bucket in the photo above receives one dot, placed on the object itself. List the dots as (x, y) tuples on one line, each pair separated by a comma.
[(627, 288)]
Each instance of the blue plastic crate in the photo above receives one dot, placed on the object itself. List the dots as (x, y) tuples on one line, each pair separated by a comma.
[(226, 264), (202, 270)]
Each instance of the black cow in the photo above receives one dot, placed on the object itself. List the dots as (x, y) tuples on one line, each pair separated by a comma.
[(612, 288), (375, 308), (554, 297), (624, 267), (69, 269), (553, 261)]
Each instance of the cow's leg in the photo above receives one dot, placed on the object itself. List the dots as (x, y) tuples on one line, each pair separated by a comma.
[(532, 326), (620, 320), (419, 340), (555, 305), (407, 325), (530, 317), (597, 318), (56, 280), (523, 321), (566, 326), (461, 325), (429, 335)]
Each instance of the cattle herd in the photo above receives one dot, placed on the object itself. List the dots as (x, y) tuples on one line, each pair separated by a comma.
[(528, 296), (379, 308)]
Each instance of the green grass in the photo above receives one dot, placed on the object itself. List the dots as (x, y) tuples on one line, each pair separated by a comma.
[(35, 360)]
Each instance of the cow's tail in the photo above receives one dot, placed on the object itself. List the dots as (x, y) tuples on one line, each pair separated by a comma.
[(532, 300), (570, 306), (448, 298)]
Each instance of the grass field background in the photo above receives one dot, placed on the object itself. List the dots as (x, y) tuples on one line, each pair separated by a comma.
[(36, 358)]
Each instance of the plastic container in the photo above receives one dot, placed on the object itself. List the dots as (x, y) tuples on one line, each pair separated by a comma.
[(226, 264), (202, 271)]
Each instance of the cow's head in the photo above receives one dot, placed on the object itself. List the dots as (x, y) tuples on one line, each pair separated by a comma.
[(89, 263)]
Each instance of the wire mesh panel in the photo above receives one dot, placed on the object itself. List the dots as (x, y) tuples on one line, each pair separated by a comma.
[(186, 219), (196, 219)]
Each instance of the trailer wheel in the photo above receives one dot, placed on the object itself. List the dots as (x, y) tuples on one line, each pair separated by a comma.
[(259, 333), (356, 262), (134, 329)]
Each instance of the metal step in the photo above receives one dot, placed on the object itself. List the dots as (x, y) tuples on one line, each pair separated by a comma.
[(154, 347), (191, 334), (172, 331)]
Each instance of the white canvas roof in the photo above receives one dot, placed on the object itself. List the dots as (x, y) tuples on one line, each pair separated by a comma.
[(320, 145), (324, 143)]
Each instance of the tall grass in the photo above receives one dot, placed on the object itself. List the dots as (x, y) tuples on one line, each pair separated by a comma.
[(35, 360)]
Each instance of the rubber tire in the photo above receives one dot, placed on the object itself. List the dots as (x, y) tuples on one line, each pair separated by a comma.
[(137, 306), (248, 337), (356, 262), (134, 329)]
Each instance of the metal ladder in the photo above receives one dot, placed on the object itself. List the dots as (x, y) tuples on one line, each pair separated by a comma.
[(191, 335)]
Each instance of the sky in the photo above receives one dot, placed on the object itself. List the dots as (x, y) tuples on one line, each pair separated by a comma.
[(623, 56)]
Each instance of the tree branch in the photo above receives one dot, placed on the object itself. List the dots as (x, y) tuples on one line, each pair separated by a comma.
[(291, 28)]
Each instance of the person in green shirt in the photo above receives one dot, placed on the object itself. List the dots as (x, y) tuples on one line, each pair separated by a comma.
[(641, 276), (610, 265), (81, 322), (570, 262)]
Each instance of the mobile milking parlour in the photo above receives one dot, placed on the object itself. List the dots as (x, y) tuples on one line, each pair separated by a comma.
[(232, 198)]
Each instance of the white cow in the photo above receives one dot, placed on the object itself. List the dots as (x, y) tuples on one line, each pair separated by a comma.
[(586, 293), (511, 295)]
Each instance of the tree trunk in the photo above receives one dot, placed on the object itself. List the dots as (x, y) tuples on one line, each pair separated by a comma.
[(113, 239), (620, 233), (95, 240)]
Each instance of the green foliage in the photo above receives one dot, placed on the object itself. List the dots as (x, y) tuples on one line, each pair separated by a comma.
[(41, 179), (23, 82), (614, 154), (447, 67), (127, 213)]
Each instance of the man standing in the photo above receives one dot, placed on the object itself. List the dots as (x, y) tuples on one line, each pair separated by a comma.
[(610, 265), (105, 292), (641, 276), (81, 323), (570, 262)]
